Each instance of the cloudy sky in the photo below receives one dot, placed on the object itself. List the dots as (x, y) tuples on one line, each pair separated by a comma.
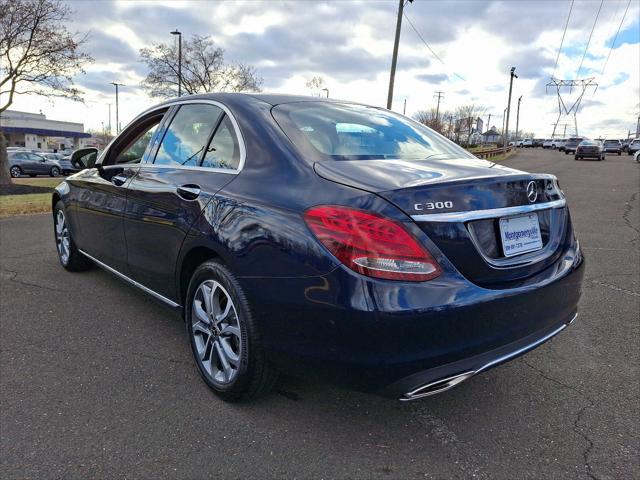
[(350, 43)]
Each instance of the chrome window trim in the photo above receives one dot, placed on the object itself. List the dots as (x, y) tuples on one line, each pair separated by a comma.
[(225, 109), (129, 280), (489, 213)]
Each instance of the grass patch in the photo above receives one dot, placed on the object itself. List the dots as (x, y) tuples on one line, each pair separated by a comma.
[(24, 204), (39, 182)]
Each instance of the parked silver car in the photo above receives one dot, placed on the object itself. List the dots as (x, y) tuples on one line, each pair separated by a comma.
[(32, 164)]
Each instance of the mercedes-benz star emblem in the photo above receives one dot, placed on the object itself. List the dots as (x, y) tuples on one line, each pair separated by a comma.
[(532, 192)]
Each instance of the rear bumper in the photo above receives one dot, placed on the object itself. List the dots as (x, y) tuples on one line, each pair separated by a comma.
[(589, 154), (445, 377), (392, 338)]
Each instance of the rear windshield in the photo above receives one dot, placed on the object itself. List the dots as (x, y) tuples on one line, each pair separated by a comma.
[(338, 131)]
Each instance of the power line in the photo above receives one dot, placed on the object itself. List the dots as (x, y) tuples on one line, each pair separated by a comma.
[(427, 45), (589, 41), (616, 37), (563, 34)]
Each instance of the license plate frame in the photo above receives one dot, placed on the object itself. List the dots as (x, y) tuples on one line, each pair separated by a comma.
[(520, 234)]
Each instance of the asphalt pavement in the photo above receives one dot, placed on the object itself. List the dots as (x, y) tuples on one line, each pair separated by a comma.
[(97, 380)]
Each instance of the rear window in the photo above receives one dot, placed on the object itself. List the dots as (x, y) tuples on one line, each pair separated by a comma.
[(336, 131)]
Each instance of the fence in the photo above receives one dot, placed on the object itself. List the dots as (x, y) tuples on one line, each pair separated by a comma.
[(494, 153)]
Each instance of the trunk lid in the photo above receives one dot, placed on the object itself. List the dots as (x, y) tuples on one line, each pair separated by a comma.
[(459, 204)]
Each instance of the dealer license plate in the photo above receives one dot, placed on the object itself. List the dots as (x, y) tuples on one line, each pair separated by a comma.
[(520, 234)]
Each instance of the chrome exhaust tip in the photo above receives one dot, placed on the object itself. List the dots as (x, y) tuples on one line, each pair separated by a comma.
[(436, 387)]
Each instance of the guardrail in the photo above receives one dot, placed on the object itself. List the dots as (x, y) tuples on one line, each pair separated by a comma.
[(494, 153)]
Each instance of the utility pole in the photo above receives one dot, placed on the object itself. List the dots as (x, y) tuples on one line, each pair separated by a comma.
[(438, 95), (110, 132), (117, 118), (394, 60), (504, 117), (513, 69), (518, 117), (489, 123), (404, 108), (179, 34)]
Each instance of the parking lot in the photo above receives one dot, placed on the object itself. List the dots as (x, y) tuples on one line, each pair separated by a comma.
[(97, 380)]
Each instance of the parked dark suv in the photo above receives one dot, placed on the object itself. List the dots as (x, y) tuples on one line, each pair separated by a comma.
[(613, 146), (324, 238)]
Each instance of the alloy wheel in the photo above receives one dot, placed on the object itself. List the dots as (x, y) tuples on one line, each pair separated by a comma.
[(216, 333), (55, 171), (15, 172), (63, 241)]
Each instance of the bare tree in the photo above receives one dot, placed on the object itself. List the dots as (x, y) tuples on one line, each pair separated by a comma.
[(203, 70), (428, 118), (38, 56), (315, 84), (467, 116)]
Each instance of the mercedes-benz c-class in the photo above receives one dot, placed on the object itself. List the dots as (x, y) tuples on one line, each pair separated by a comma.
[(326, 239)]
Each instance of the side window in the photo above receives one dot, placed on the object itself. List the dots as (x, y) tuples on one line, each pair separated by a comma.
[(135, 149), (130, 146), (224, 149), (35, 158), (187, 136)]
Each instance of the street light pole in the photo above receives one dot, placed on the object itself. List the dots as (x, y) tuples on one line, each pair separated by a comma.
[(117, 118), (326, 90), (518, 117), (394, 60), (513, 69), (179, 34)]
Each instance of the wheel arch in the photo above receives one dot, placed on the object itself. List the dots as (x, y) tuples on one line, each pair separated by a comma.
[(55, 198), (193, 258)]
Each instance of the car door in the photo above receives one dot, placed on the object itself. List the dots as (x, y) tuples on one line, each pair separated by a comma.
[(98, 195), (166, 197), (21, 160)]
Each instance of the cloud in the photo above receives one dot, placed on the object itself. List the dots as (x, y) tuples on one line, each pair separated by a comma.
[(432, 78), (350, 43)]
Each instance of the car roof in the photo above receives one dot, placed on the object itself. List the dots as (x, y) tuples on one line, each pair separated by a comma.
[(270, 98)]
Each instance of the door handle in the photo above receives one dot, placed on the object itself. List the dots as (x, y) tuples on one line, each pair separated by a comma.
[(188, 192), (119, 180)]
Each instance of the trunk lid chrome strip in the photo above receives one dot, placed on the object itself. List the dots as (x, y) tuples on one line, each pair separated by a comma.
[(490, 213)]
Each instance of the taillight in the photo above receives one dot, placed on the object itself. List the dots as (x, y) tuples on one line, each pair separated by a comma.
[(370, 244)]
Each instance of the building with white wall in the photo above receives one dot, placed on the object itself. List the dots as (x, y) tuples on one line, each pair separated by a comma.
[(35, 131)]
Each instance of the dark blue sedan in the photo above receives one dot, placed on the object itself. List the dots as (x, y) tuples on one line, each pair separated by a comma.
[(325, 239)]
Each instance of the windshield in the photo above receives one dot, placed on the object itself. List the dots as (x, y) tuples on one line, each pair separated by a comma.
[(335, 131)]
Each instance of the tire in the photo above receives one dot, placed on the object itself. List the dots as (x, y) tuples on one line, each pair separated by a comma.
[(619, 153), (54, 172), (15, 171), (68, 254), (576, 157), (248, 373), (32, 175)]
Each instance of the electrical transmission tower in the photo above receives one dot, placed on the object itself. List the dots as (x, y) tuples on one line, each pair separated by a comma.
[(572, 111)]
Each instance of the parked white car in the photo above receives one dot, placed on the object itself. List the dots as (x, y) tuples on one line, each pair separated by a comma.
[(527, 143), (547, 143), (557, 143)]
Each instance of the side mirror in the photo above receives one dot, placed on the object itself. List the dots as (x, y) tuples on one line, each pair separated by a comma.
[(84, 158)]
